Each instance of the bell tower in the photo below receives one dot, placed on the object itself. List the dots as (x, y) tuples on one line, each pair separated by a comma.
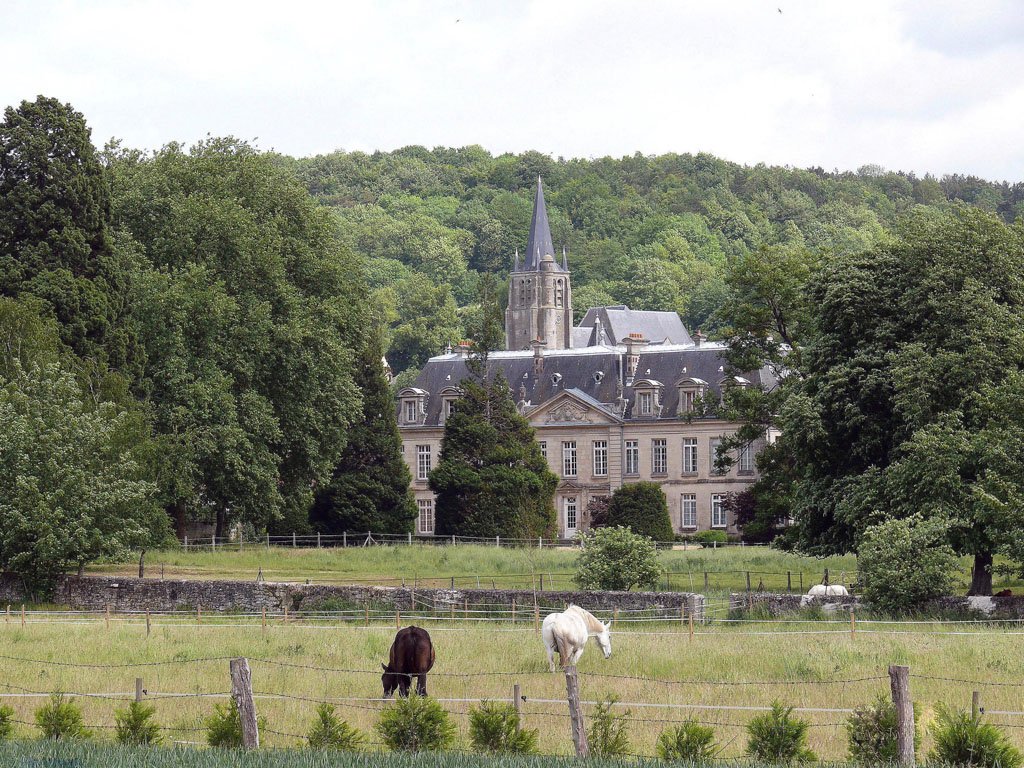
[(539, 293)]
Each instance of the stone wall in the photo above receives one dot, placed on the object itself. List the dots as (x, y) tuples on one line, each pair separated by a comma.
[(982, 607), (133, 594)]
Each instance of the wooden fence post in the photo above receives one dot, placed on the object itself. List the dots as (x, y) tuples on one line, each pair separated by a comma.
[(367, 614), (199, 614), (579, 731), (263, 614), (398, 619), (23, 615), (517, 702), (853, 626), (8, 613), (789, 581), (286, 613), (705, 581), (899, 681), (147, 622), (691, 626), (825, 582), (138, 689), (682, 613), (748, 581), (108, 614), (536, 618), (975, 703), (241, 692), (465, 609)]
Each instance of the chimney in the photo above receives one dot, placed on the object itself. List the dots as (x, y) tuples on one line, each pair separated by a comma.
[(464, 347), (538, 356), (635, 342), (699, 338)]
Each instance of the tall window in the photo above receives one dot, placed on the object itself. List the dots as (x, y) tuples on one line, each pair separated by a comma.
[(410, 411), (689, 456), (522, 292), (569, 459), (746, 460), (426, 515), (687, 404), (422, 462), (659, 456), (715, 442), (632, 457), (570, 514), (543, 448), (644, 399), (688, 510), (449, 407), (717, 511), (559, 293), (600, 457)]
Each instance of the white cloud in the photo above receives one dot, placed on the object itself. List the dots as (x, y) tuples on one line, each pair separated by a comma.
[(922, 86)]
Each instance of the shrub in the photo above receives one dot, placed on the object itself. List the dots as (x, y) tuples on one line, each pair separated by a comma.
[(135, 725), (689, 742), (902, 563), (710, 538), (414, 724), (872, 731), (224, 726), (6, 724), (331, 732), (963, 739), (60, 719), (616, 558), (642, 508), (494, 727), (607, 735), (778, 737)]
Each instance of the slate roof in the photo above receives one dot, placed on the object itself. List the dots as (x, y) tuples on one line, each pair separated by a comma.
[(539, 244), (617, 322), (575, 369)]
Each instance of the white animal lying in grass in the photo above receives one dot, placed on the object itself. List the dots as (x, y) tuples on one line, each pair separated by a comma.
[(820, 590)]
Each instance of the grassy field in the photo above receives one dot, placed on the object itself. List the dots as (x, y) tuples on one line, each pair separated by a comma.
[(470, 565), (718, 674)]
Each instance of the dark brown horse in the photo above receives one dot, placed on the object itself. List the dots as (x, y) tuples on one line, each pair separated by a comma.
[(412, 654)]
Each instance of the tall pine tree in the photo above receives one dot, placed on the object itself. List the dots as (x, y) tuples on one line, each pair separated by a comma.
[(492, 479), (369, 490)]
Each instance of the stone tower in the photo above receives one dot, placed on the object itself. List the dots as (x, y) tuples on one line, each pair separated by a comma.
[(539, 294)]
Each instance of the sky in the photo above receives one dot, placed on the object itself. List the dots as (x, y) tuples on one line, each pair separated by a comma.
[(930, 87)]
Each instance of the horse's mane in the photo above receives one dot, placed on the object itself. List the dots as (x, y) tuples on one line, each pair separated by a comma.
[(593, 623)]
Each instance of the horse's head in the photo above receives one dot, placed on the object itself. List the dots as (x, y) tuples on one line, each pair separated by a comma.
[(604, 640), (391, 680)]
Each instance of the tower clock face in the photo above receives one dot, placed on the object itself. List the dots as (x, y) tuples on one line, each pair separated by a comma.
[(558, 318)]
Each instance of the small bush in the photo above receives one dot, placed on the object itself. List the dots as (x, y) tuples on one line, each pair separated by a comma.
[(642, 508), (689, 743), (778, 737), (60, 719), (6, 723), (616, 558), (224, 726), (963, 739), (710, 538), (331, 732), (414, 724), (902, 563), (135, 725), (607, 735), (872, 733), (494, 727)]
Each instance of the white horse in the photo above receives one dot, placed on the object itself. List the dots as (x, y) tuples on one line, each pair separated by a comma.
[(820, 590), (567, 633)]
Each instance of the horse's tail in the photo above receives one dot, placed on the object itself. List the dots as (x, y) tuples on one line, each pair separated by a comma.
[(560, 647)]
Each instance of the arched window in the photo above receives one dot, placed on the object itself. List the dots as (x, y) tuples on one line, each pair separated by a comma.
[(522, 293), (559, 292)]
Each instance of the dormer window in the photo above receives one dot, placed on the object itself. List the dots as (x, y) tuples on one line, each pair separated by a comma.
[(413, 405), (448, 397), (648, 398), (690, 391)]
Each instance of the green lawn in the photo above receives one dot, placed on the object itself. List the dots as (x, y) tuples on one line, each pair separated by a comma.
[(472, 565)]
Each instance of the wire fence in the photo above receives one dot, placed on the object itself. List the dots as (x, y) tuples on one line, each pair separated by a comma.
[(285, 692)]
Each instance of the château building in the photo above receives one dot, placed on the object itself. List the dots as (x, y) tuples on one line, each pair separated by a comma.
[(609, 399)]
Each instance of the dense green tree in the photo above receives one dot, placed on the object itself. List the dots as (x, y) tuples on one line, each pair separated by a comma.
[(54, 243), (248, 309), (491, 479), (369, 490), (904, 400), (72, 481), (641, 507)]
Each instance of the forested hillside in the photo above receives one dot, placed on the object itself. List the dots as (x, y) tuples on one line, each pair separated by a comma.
[(651, 232)]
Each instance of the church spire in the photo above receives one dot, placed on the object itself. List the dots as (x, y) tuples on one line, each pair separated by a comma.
[(540, 232), (565, 265)]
